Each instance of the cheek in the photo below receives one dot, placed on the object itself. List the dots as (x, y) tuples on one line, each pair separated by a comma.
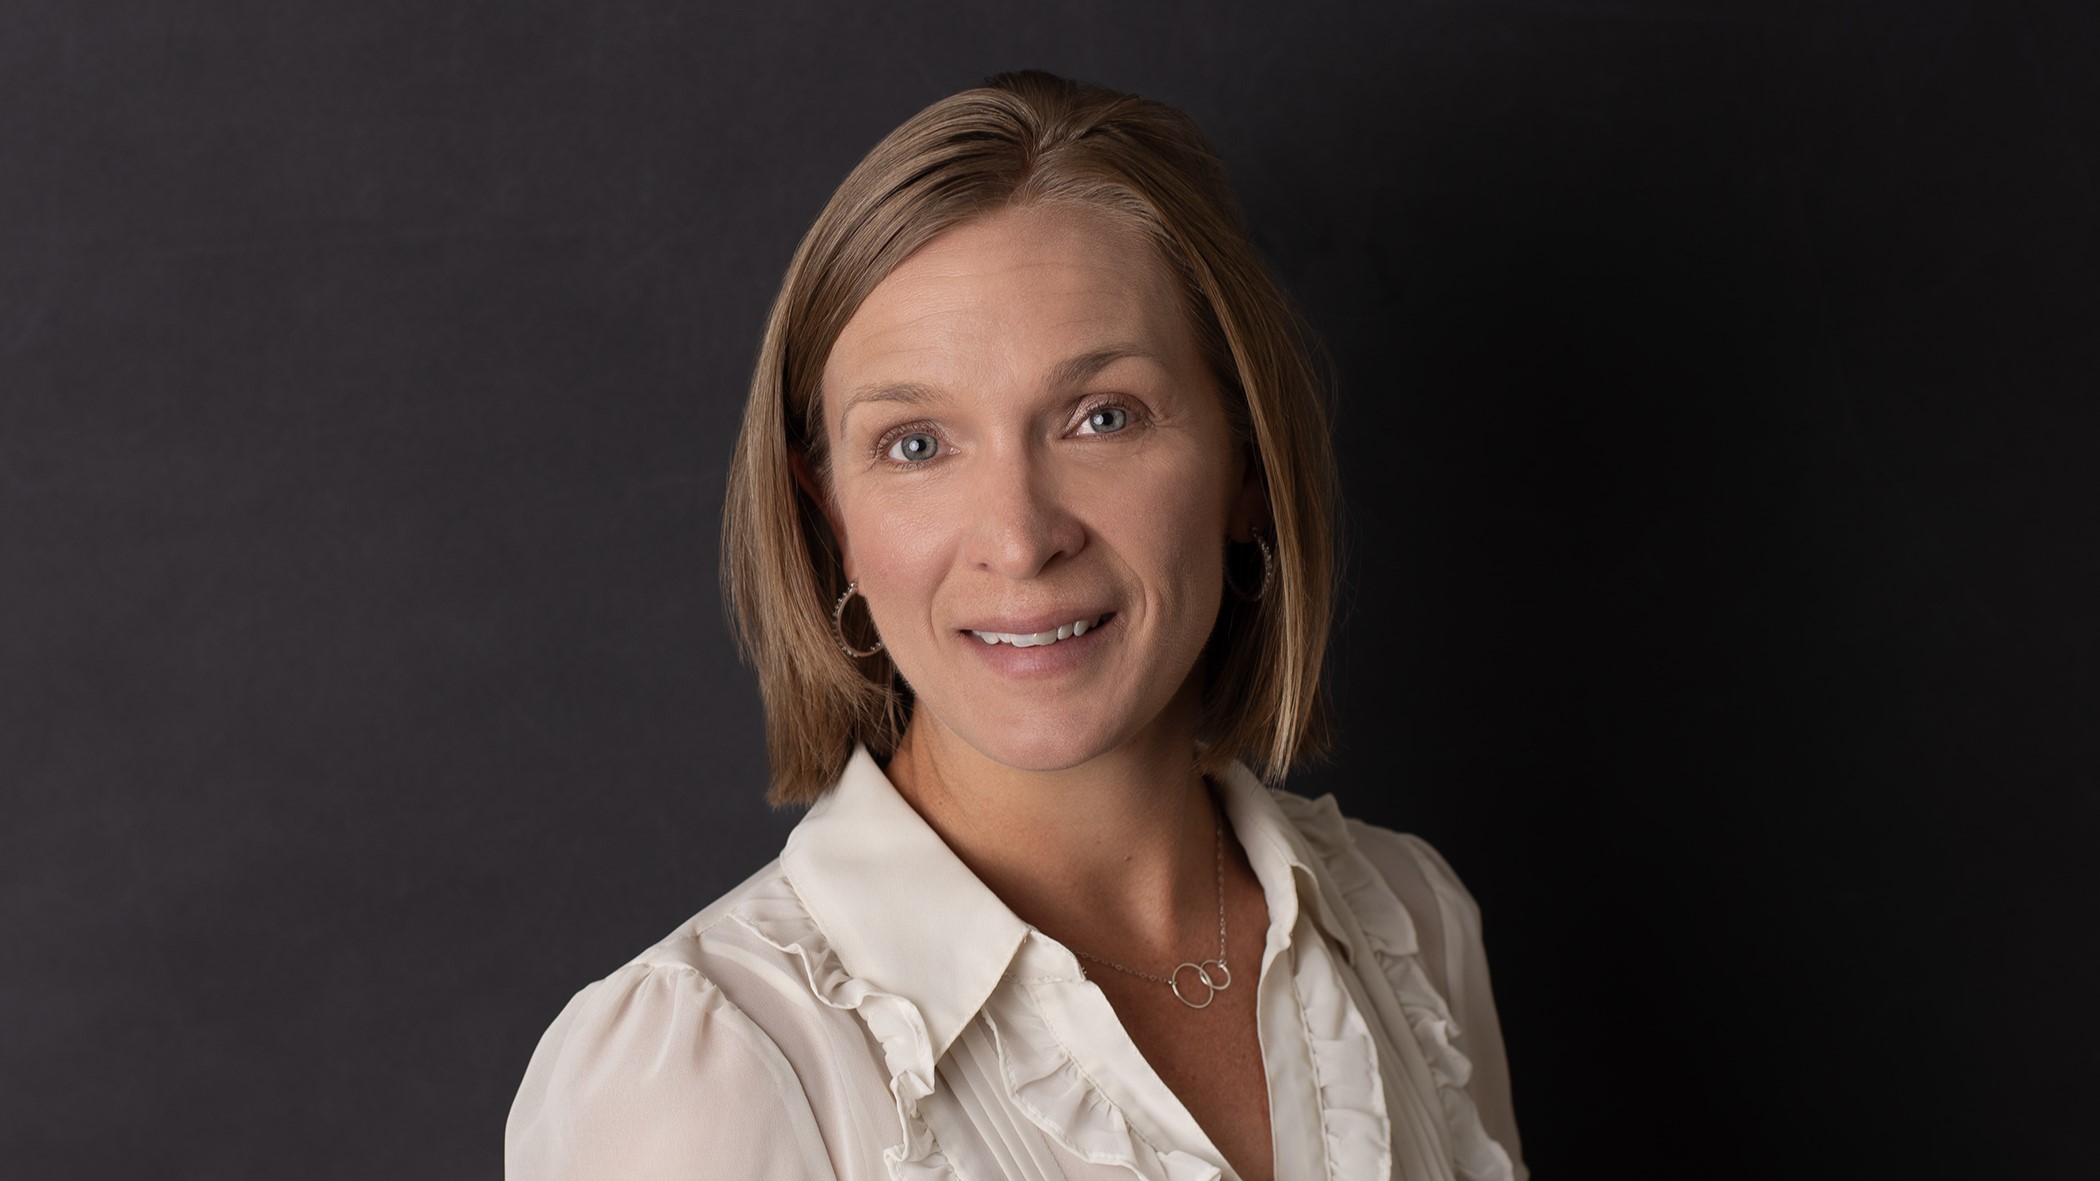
[(895, 550), (1180, 533)]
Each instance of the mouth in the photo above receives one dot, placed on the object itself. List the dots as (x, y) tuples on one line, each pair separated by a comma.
[(1063, 631)]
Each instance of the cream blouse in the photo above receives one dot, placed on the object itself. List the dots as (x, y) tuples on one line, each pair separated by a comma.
[(864, 1008)]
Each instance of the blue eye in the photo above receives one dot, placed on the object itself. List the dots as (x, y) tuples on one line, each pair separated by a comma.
[(1107, 420), (915, 447)]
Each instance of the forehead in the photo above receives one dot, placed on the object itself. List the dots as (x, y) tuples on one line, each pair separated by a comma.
[(1011, 295)]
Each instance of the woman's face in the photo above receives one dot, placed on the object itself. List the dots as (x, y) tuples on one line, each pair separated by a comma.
[(1026, 444)]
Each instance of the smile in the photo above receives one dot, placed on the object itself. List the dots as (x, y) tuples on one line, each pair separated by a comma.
[(1063, 631)]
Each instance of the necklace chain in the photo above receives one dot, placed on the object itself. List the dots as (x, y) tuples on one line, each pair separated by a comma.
[(1212, 984)]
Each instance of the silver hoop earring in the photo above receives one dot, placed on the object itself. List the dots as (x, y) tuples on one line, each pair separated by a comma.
[(838, 625), (1268, 571)]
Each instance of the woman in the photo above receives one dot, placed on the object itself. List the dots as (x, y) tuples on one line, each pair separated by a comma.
[(1028, 537)]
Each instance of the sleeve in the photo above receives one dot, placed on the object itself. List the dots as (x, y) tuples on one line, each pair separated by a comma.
[(1449, 929), (652, 1074)]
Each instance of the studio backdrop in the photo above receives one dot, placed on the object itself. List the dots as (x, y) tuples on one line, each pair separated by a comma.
[(1715, 393)]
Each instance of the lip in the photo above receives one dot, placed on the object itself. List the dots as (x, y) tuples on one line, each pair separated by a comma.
[(1046, 622)]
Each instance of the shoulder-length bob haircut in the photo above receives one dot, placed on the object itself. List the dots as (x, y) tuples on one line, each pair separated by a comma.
[(1020, 139)]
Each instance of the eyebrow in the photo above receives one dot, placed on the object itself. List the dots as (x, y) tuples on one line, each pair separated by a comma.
[(1078, 369), (1064, 375)]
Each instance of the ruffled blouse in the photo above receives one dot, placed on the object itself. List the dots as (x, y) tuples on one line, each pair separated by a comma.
[(865, 1008)]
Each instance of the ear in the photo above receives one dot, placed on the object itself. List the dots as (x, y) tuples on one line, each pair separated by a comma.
[(1250, 505), (821, 497)]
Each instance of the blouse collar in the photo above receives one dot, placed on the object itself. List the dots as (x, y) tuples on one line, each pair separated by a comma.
[(905, 914), (898, 906)]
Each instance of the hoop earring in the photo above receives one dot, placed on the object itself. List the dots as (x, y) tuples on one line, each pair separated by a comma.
[(1268, 571), (838, 625)]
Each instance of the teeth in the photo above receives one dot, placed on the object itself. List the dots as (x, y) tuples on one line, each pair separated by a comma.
[(1064, 631)]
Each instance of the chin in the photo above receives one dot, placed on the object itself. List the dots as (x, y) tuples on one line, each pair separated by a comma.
[(1050, 752), (1039, 743)]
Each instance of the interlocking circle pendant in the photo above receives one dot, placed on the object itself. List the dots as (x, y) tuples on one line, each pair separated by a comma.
[(1212, 986)]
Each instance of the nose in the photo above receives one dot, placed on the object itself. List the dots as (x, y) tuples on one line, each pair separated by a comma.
[(1021, 521)]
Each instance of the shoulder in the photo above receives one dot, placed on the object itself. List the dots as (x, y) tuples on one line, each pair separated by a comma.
[(1424, 928), (1403, 891), (661, 1069), (1405, 862), (1417, 873)]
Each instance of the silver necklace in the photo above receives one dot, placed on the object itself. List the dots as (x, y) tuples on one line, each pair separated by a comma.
[(1211, 985)]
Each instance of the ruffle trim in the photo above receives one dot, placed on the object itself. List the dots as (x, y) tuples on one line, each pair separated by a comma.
[(1353, 1120), (1060, 1099), (777, 916), (1391, 935), (1049, 1086)]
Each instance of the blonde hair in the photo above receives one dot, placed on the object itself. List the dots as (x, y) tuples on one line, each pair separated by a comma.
[(1022, 138)]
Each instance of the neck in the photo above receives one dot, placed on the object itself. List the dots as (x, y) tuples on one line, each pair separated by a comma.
[(1116, 856)]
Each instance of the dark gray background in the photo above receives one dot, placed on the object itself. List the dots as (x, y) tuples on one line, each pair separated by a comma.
[(1717, 421)]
